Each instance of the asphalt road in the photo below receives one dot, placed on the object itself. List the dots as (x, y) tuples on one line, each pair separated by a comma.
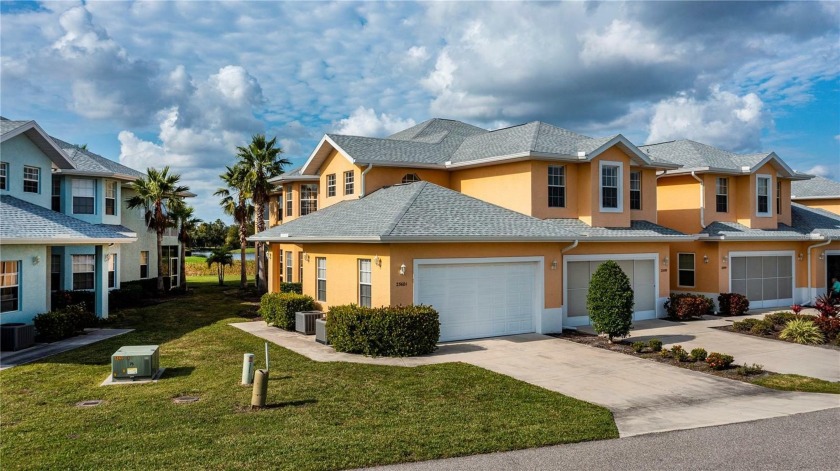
[(796, 442)]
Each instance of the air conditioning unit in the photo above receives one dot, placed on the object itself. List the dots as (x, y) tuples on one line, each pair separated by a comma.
[(139, 361), (16, 336)]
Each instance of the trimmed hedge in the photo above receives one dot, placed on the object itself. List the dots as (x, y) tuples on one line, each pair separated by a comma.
[(733, 304), (278, 309), (686, 305), (610, 301), (291, 288), (64, 323), (395, 331)]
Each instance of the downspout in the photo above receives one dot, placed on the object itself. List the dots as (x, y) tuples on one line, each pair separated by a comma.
[(571, 247), (364, 172), (702, 200), (821, 244)]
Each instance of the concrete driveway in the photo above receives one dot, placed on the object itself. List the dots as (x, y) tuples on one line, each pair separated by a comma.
[(644, 396), (774, 355)]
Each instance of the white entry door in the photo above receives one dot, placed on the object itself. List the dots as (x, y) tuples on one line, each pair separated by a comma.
[(480, 299), (642, 275)]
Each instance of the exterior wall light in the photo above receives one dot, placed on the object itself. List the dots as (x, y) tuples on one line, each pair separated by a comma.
[(705, 258), (36, 259), (725, 259), (800, 257), (554, 264), (822, 255), (665, 261), (306, 256), (377, 261), (402, 269)]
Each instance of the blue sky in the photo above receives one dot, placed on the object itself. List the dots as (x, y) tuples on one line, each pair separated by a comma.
[(184, 83)]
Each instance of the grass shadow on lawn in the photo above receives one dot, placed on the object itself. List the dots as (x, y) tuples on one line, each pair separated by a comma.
[(323, 415)]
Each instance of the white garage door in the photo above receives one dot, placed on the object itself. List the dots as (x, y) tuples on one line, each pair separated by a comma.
[(766, 280), (642, 277), (478, 300)]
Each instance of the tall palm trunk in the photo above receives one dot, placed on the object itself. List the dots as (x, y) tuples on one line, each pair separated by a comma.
[(243, 244), (260, 282), (160, 261)]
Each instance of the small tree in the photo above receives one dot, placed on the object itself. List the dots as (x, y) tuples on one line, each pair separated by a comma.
[(220, 257), (610, 301)]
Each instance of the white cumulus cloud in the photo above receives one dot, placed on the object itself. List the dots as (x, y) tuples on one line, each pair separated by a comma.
[(365, 122)]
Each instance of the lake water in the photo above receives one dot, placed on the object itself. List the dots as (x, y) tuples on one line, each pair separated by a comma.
[(234, 255)]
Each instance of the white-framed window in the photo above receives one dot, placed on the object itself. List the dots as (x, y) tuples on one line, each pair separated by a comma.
[(321, 278), (289, 202), (410, 178), (611, 193), (112, 271), (83, 272), (4, 175), (348, 182), (636, 189), (290, 267), (308, 199), (778, 196), (279, 206), (722, 194), (685, 269), (84, 196), (763, 195), (300, 267), (56, 193), (10, 286), (144, 264), (55, 272), (556, 186), (364, 282), (111, 198), (31, 179), (331, 185)]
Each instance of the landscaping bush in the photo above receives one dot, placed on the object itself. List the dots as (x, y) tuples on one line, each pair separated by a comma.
[(733, 304), (655, 345), (825, 305), (386, 331), (745, 325), (679, 353), (762, 327), (686, 306), (719, 361), (639, 347), (63, 323), (62, 299), (830, 327), (698, 354), (802, 331), (610, 301), (291, 288), (781, 318), (278, 309), (747, 370), (796, 308)]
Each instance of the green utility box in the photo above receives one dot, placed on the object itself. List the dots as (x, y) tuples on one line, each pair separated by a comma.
[(138, 361)]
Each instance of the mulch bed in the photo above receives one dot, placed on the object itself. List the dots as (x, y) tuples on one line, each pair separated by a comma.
[(773, 336), (624, 346)]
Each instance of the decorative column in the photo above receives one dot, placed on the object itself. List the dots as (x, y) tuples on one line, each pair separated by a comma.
[(100, 283)]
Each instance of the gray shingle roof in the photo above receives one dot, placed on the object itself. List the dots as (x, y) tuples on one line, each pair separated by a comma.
[(817, 187), (637, 230), (416, 211), (23, 221), (735, 231), (7, 125), (815, 221), (87, 161), (691, 154)]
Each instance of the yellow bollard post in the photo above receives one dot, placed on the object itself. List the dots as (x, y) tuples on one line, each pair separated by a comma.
[(260, 389)]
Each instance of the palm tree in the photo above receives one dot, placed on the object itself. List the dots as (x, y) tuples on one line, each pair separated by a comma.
[(182, 216), (220, 256), (262, 162), (155, 194), (235, 202)]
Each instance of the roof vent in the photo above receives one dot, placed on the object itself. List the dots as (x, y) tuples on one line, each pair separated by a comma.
[(581, 154)]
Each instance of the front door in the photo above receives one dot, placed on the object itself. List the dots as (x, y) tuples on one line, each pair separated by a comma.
[(173, 272), (832, 267)]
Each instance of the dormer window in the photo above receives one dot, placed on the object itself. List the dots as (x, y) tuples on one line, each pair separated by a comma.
[(31, 179), (308, 199), (84, 196), (331, 185), (410, 178), (111, 198), (348, 182), (762, 195), (636, 190), (611, 187)]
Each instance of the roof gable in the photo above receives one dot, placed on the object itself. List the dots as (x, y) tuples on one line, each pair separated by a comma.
[(11, 129), (89, 163), (815, 188), (696, 156)]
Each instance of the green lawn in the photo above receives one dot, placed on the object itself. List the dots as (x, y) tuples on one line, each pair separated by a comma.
[(321, 415), (790, 382)]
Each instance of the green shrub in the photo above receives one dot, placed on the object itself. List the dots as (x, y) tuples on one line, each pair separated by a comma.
[(395, 331), (291, 288), (63, 323), (781, 318), (698, 354), (733, 304), (655, 345), (665, 353), (686, 306), (278, 309), (719, 361), (679, 353), (639, 347), (762, 327), (802, 331), (745, 325), (830, 327), (63, 299), (610, 301), (747, 370)]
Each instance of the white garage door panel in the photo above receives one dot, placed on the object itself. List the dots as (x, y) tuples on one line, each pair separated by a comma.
[(479, 299)]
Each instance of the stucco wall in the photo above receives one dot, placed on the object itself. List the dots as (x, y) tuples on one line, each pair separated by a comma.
[(828, 204), (34, 289), (506, 185), (18, 152)]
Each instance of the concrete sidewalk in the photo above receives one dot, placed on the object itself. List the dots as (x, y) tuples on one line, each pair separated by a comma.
[(44, 350), (644, 396), (774, 355)]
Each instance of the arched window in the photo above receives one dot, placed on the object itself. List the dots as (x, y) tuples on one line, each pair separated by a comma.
[(410, 178)]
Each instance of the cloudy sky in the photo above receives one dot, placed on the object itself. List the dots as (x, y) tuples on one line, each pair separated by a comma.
[(184, 83)]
